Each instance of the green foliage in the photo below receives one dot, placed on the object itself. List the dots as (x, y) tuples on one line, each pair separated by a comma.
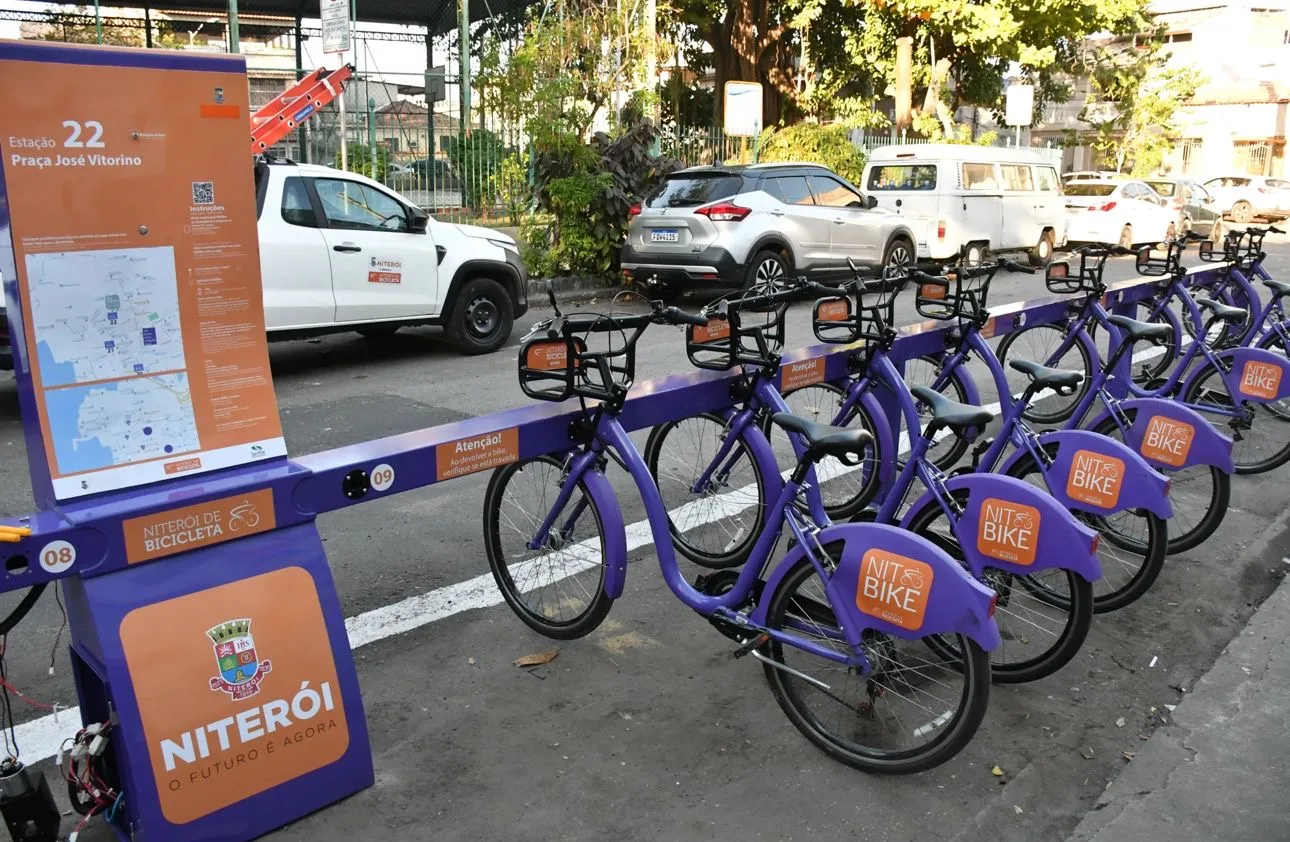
[(511, 184), (588, 189), (477, 158), (360, 160), (979, 38), (683, 104), (930, 127), (828, 145), (1133, 100)]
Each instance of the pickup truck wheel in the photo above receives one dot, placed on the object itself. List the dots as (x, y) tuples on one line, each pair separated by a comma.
[(481, 321)]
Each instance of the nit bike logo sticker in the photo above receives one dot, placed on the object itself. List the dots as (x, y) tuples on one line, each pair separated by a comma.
[(1167, 441), (1260, 380), (1008, 531), (1095, 479), (240, 671), (894, 588)]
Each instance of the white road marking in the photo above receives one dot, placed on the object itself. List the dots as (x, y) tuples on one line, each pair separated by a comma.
[(40, 738)]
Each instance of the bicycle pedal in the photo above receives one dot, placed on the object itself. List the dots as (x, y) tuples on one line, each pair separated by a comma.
[(757, 642)]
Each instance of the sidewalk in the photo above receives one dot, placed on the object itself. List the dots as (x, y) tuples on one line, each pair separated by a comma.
[(1219, 770)]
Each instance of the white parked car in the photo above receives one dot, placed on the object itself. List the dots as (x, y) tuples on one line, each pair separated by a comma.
[(1244, 197), (341, 252), (1123, 212)]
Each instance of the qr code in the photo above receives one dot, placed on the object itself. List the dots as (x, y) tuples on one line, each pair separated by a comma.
[(203, 192)]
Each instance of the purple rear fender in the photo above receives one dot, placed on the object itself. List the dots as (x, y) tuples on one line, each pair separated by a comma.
[(1008, 524), (1097, 474), (1255, 375), (896, 582), (612, 531), (1171, 436)]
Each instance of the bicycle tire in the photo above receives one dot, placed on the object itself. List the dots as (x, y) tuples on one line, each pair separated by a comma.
[(1271, 341), (737, 551), (1228, 335), (1198, 389), (1159, 365), (1067, 408), (1154, 551), (953, 389), (598, 603), (959, 728), (841, 500), (1219, 496), (1074, 631)]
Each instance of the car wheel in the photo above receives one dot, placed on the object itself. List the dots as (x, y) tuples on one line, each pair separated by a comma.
[(900, 255), (974, 254), (1126, 237), (1186, 225), (1216, 233), (1243, 212), (767, 268), (481, 320), (378, 332), (1042, 254), (1171, 234)]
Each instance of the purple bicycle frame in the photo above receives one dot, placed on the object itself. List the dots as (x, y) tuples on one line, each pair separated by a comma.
[(887, 580), (1091, 472)]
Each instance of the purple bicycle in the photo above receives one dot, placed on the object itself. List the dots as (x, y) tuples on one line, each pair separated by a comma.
[(1009, 535), (840, 623)]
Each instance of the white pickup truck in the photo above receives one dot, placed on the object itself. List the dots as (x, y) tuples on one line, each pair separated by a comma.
[(341, 252)]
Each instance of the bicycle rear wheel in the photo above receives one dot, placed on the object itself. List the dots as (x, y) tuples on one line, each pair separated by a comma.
[(718, 526), (1040, 344), (1040, 634), (1263, 443), (1199, 496), (1132, 550), (558, 590), (846, 489), (861, 719)]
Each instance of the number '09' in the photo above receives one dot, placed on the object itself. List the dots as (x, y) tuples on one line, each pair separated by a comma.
[(74, 134)]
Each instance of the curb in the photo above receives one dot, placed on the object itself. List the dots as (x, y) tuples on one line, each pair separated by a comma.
[(575, 289)]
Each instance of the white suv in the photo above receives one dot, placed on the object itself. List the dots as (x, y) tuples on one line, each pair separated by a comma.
[(739, 226)]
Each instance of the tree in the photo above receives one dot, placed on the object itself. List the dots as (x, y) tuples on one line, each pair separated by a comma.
[(1134, 97), (979, 39), (573, 62), (76, 26)]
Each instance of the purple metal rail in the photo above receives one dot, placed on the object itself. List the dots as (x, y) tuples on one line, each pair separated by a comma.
[(310, 485)]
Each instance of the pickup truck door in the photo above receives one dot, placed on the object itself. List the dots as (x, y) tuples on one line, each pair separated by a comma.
[(294, 267), (380, 267)]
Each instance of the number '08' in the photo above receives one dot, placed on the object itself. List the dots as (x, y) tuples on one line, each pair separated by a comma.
[(74, 129)]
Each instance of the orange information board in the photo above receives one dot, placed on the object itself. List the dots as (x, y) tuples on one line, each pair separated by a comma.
[(132, 222)]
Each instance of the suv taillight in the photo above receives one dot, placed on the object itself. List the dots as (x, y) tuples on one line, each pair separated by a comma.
[(634, 211), (724, 212)]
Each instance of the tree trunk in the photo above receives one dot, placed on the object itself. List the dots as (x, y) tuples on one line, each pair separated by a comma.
[(746, 48)]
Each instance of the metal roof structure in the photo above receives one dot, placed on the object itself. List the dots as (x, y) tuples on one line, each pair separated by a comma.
[(438, 16)]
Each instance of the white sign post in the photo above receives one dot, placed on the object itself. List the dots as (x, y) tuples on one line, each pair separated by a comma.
[(1019, 108), (335, 25), (743, 109)]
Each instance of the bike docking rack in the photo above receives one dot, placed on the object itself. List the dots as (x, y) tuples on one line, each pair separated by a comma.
[(207, 638)]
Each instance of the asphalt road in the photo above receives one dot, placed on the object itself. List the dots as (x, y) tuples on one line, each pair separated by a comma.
[(647, 729)]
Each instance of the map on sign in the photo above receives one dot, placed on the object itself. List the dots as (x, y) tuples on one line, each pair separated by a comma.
[(116, 423), (111, 356), (105, 314)]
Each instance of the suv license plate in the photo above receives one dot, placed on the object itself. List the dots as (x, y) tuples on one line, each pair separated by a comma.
[(664, 235)]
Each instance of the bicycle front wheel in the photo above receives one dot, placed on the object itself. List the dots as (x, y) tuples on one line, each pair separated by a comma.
[(845, 489), (1262, 442), (717, 525), (558, 589), (1040, 344), (1199, 496), (1040, 634), (1132, 550), (949, 447), (910, 713)]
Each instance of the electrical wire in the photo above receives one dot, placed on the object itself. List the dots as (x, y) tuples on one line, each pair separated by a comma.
[(58, 638), (6, 703)]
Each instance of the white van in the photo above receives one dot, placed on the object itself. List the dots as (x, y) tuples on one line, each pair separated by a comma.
[(976, 198)]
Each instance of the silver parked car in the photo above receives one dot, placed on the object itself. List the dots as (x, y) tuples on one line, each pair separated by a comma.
[(743, 225)]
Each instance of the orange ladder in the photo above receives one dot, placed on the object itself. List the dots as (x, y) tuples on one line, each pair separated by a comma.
[(286, 111)]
